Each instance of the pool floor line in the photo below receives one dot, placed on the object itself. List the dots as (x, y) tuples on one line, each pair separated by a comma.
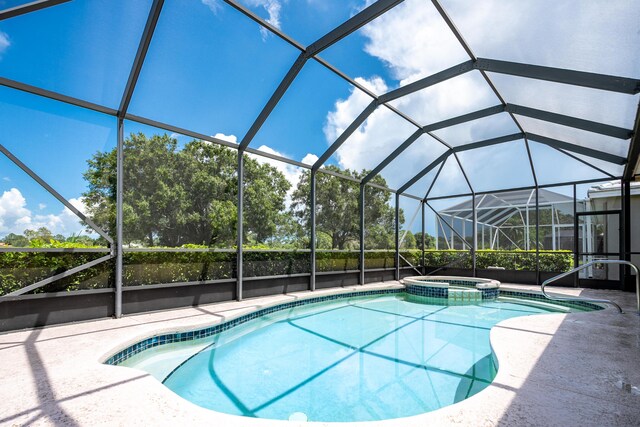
[(187, 359), (363, 349), (355, 350), (432, 320)]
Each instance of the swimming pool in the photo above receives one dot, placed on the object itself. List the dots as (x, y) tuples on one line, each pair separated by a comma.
[(355, 358)]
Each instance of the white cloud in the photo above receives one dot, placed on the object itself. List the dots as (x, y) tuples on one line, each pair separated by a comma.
[(4, 43), (12, 209), (413, 41), (309, 159), (41, 206), (213, 5), (291, 173), (273, 9), (6, 178), (15, 217), (228, 138), (347, 110)]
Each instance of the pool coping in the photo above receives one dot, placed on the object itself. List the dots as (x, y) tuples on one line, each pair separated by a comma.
[(70, 383), (174, 335)]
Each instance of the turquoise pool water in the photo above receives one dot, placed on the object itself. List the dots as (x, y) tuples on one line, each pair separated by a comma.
[(357, 359)]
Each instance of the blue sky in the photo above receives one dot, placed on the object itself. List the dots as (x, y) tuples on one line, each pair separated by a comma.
[(211, 70)]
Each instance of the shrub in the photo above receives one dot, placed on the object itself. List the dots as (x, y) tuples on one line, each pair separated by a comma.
[(155, 265)]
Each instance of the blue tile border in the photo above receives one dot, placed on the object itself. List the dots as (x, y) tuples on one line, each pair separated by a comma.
[(540, 297), (439, 293), (220, 327), (427, 291), (443, 292)]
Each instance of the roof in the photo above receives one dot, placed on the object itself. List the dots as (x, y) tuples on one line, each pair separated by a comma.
[(493, 209), (612, 189), (446, 97)]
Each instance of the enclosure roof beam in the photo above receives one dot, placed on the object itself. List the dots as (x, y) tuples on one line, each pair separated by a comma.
[(561, 75), (633, 158), (500, 215), (251, 15), (346, 134), (258, 20), (417, 134), (390, 96), (607, 157), (488, 142), (351, 25), (479, 144), (429, 128), (528, 187), (425, 82), (56, 96), (584, 162), (138, 62), (475, 115), (433, 183), (424, 171), (273, 101), (452, 26), (464, 173), (29, 7), (362, 18), (561, 119)]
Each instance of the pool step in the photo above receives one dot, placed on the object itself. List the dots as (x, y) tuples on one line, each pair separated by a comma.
[(537, 304), (465, 296)]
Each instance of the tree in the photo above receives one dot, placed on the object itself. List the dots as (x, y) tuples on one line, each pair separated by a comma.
[(42, 233), (429, 240), (338, 214), (176, 196), (409, 241), (16, 240)]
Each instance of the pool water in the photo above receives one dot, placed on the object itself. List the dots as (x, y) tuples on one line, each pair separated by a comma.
[(357, 359)]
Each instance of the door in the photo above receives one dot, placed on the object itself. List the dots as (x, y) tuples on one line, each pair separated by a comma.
[(599, 237)]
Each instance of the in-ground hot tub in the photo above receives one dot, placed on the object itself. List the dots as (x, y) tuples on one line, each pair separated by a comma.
[(459, 290)]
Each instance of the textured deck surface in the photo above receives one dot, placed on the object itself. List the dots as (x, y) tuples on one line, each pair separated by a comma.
[(558, 369)]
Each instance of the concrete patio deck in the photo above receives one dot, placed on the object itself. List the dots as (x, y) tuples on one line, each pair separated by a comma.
[(555, 369)]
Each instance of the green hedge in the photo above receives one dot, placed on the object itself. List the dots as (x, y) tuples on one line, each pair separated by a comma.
[(18, 269), (550, 261), (146, 268)]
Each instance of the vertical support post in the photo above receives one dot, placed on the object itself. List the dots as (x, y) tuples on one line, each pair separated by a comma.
[(554, 246), (240, 228), (527, 236), (362, 187), (312, 243), (474, 229), (451, 237), (625, 230), (576, 236), (397, 237), (437, 225), (424, 266), (119, 217), (537, 237)]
